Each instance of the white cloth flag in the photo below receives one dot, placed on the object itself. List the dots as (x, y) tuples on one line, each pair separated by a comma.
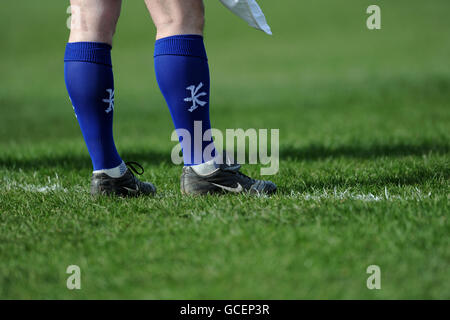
[(250, 11)]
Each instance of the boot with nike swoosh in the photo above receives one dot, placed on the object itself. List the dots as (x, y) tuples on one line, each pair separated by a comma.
[(225, 179), (125, 186)]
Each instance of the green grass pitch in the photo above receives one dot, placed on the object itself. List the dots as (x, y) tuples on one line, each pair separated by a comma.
[(364, 159)]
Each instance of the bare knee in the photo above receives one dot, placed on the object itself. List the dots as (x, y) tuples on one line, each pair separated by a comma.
[(173, 17), (94, 20)]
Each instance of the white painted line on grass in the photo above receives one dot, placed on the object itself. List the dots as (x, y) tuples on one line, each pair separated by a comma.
[(318, 195), (10, 184)]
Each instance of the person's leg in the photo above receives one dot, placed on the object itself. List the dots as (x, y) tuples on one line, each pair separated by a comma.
[(177, 17), (89, 80), (97, 21), (182, 72)]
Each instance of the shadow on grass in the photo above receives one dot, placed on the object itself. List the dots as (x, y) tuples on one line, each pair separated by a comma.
[(416, 177), (411, 178), (309, 153), (357, 151), (78, 161)]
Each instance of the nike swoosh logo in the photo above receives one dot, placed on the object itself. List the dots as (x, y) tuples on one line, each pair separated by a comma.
[(132, 190), (236, 189)]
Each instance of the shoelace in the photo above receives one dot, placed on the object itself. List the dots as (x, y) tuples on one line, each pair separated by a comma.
[(131, 165), (245, 176), (239, 173)]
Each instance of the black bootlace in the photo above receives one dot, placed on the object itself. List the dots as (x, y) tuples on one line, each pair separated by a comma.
[(131, 165), (245, 176)]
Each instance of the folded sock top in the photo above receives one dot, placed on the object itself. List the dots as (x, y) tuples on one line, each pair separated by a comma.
[(190, 45), (95, 52)]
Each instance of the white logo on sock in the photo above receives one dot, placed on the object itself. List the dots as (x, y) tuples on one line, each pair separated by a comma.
[(110, 100), (194, 98)]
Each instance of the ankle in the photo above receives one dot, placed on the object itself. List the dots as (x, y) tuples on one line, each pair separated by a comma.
[(115, 172)]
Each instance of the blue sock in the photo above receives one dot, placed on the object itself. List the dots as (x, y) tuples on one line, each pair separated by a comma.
[(90, 83), (182, 73)]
